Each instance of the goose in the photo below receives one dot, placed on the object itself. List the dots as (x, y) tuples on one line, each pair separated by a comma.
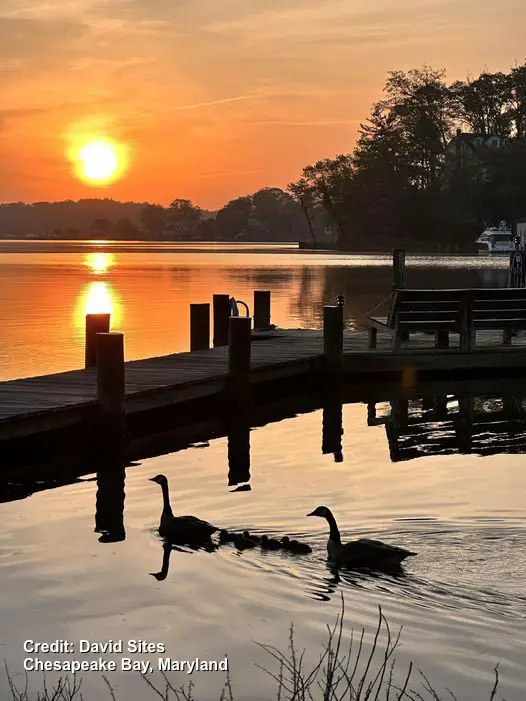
[(182, 529), (370, 554)]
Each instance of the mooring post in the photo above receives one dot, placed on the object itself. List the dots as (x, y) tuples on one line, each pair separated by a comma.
[(95, 323), (111, 392), (398, 268), (199, 327), (333, 338), (221, 315), (239, 341), (261, 309)]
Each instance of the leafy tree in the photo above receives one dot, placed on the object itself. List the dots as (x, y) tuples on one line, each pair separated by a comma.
[(484, 103), (102, 227), (183, 216), (126, 229), (235, 215), (154, 218), (274, 208)]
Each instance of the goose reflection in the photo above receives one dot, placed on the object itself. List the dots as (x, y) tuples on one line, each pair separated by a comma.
[(327, 586), (168, 548)]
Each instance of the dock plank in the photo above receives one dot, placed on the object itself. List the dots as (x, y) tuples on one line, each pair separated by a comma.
[(281, 353)]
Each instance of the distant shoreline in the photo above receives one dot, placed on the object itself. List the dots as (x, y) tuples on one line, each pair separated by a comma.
[(290, 245)]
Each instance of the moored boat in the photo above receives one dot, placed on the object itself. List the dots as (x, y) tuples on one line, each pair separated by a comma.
[(496, 240)]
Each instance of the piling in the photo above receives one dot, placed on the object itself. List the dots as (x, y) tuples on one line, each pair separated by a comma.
[(221, 315), (199, 327), (110, 394), (333, 338), (261, 310), (239, 339), (95, 323), (398, 268)]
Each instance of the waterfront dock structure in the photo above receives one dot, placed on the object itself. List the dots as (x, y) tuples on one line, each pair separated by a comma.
[(245, 367)]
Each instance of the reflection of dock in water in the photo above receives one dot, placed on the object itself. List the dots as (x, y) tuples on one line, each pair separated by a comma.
[(447, 425)]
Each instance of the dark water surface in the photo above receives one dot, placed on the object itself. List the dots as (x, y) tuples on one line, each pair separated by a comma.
[(462, 601)]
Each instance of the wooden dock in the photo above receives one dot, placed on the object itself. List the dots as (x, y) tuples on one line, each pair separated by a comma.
[(36, 405)]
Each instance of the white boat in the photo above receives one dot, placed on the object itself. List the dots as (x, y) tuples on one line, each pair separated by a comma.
[(496, 240)]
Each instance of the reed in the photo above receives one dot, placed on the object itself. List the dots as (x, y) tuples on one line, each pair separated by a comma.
[(345, 671)]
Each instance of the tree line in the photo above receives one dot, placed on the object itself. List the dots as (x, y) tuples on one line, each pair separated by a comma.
[(425, 171), (270, 214)]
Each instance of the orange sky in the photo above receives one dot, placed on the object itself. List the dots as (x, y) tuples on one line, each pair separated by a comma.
[(217, 98)]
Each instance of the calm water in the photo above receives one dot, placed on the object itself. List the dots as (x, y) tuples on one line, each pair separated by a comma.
[(462, 601)]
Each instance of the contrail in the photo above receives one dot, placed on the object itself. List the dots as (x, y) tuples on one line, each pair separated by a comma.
[(213, 102)]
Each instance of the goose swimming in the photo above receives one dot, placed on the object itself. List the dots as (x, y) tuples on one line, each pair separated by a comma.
[(370, 554), (182, 529)]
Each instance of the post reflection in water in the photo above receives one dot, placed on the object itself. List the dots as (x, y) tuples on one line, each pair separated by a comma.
[(332, 427), (239, 454), (109, 510), (444, 425)]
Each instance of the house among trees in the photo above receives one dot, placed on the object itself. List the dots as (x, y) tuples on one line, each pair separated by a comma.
[(465, 147)]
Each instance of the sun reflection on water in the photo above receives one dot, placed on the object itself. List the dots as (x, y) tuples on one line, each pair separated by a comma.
[(98, 298), (99, 262)]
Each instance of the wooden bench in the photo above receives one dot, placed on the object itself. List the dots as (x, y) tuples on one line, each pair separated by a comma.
[(458, 311), (496, 309)]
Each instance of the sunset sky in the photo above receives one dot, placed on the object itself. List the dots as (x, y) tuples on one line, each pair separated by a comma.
[(216, 98)]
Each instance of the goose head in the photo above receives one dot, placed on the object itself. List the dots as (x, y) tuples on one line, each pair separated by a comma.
[(322, 512), (160, 479)]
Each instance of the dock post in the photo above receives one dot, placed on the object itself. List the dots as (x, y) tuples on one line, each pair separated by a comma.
[(95, 323), (398, 268), (199, 327), (221, 314), (333, 338), (110, 393), (239, 342), (261, 310)]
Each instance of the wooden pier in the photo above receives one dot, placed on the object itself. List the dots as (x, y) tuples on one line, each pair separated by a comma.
[(34, 404), (252, 363)]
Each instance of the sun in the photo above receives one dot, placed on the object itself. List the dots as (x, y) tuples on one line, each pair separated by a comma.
[(99, 160)]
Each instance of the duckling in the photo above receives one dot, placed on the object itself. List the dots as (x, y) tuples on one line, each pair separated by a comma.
[(270, 543), (224, 536), (370, 554), (183, 529), (252, 538), (243, 543), (296, 547)]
